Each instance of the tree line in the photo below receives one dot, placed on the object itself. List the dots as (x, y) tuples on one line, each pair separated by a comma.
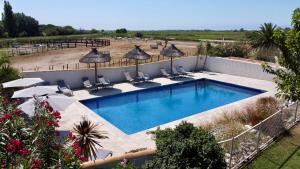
[(21, 25)]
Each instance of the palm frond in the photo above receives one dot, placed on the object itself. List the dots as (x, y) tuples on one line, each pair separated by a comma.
[(88, 137)]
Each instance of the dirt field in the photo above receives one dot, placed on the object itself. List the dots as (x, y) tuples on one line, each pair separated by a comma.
[(71, 56)]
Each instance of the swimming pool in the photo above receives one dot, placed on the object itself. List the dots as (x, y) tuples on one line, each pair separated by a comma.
[(136, 111)]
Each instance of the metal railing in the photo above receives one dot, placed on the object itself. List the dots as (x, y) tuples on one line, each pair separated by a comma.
[(243, 147)]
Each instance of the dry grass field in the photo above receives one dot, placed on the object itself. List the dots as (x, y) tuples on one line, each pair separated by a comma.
[(71, 56)]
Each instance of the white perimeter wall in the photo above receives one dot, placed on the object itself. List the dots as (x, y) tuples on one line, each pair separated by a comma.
[(213, 64), (237, 67), (73, 77)]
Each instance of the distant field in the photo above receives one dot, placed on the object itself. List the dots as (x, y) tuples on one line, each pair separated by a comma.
[(176, 35)]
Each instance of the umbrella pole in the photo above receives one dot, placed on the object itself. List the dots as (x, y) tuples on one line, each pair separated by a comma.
[(95, 72), (171, 66), (136, 68)]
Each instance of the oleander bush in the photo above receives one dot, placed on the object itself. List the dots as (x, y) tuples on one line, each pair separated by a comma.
[(35, 143), (186, 146)]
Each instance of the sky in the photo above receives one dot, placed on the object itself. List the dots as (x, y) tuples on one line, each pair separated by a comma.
[(158, 14)]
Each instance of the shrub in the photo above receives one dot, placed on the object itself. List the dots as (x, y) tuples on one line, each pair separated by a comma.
[(186, 146), (236, 49), (121, 31), (139, 35), (35, 143), (232, 123)]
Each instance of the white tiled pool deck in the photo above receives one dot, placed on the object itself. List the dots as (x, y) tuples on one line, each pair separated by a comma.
[(120, 143)]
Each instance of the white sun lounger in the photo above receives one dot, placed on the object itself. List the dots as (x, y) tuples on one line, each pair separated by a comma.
[(181, 70), (165, 73), (143, 76), (104, 82), (86, 83), (128, 77)]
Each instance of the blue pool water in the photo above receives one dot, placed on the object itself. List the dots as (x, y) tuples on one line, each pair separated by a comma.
[(140, 110)]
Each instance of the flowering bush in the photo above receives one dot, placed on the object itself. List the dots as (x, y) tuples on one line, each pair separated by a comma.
[(35, 143)]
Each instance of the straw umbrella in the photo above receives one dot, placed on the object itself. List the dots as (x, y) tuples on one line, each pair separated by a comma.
[(171, 52), (137, 54), (94, 56)]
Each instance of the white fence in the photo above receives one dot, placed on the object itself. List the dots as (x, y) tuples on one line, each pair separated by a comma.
[(240, 149), (115, 74)]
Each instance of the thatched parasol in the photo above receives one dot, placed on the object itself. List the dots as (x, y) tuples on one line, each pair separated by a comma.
[(94, 56), (171, 52), (137, 54)]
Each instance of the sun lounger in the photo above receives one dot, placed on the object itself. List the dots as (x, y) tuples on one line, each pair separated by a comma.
[(165, 73), (181, 70), (144, 77), (176, 73), (128, 77), (86, 83), (104, 82), (65, 89)]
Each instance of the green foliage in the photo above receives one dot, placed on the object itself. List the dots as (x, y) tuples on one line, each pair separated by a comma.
[(52, 30), (26, 25), (9, 20), (87, 137), (236, 49), (125, 165), (7, 73), (121, 31), (186, 147), (93, 31), (288, 79), (265, 37), (34, 143), (139, 35)]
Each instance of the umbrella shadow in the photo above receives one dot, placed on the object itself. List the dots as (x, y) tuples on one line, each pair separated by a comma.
[(148, 84), (183, 78), (106, 92)]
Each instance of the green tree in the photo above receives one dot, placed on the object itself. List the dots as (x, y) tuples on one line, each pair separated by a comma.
[(265, 37), (139, 35), (288, 79), (121, 31), (26, 25), (185, 147), (9, 20), (7, 73)]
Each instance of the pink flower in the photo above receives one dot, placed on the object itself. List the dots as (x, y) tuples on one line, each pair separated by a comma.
[(2, 119), (66, 156), (16, 142), (36, 164), (17, 112), (8, 116), (52, 123), (10, 148), (24, 152), (56, 115), (71, 136)]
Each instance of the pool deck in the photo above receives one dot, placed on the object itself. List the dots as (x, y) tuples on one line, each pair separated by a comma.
[(120, 143)]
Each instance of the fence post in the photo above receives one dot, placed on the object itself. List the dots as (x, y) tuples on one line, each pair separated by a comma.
[(231, 152), (296, 111), (258, 138)]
